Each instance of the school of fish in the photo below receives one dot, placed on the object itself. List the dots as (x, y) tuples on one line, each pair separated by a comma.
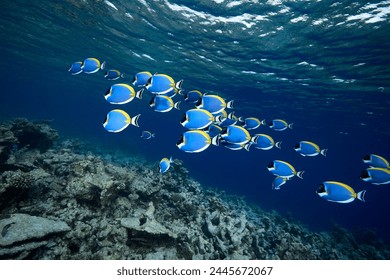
[(212, 122)]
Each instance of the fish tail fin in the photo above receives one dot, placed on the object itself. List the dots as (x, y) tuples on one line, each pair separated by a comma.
[(290, 126), (215, 140), (300, 174), (360, 195), (123, 75), (263, 122), (177, 105), (323, 152), (230, 104), (254, 139), (180, 92), (241, 119), (139, 93), (231, 115), (278, 144), (153, 135), (179, 84), (171, 159), (103, 65), (134, 120), (220, 118), (247, 146)]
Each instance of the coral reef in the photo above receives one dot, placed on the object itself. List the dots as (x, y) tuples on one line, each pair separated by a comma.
[(60, 202)]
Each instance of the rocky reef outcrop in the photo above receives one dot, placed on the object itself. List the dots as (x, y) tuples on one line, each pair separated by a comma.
[(61, 201)]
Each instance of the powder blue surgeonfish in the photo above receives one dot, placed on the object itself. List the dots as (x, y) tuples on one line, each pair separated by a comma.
[(92, 65), (283, 169), (197, 119), (117, 120), (121, 94), (75, 68), (213, 130), (113, 74), (141, 78), (251, 123), (147, 135), (278, 182), (307, 148), (162, 84), (193, 96), (164, 165), (376, 175), (280, 125), (213, 103), (264, 142), (339, 192), (376, 161), (236, 135), (162, 104), (194, 141)]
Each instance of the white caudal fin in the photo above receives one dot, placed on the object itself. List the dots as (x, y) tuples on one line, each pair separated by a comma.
[(171, 159), (139, 93), (255, 138), (179, 84), (134, 120), (290, 126), (263, 122), (323, 152), (247, 146), (231, 115), (360, 195), (278, 144), (215, 140), (220, 118), (230, 104), (300, 174), (177, 105), (103, 65)]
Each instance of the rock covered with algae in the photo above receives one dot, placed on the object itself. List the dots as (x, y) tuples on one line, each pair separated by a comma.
[(96, 205)]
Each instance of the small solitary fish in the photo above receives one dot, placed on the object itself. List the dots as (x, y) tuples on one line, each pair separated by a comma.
[(113, 74), (147, 135), (280, 125), (164, 165), (75, 68)]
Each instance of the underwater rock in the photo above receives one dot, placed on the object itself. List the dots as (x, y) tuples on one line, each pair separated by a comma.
[(22, 227)]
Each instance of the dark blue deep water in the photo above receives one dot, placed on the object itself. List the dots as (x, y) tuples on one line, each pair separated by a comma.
[(324, 67)]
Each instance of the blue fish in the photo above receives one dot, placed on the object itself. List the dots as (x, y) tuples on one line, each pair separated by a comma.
[(236, 135), (278, 182), (213, 130), (376, 161), (280, 125), (121, 94), (233, 147), (307, 148), (213, 103), (92, 65), (113, 75), (118, 120), (193, 96), (75, 68), (194, 141), (283, 169), (228, 119), (172, 93), (252, 123), (197, 119), (161, 103), (264, 142), (162, 83), (376, 175), (141, 78), (339, 192), (147, 135), (164, 165)]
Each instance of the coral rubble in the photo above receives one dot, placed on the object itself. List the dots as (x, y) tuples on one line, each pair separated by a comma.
[(60, 203)]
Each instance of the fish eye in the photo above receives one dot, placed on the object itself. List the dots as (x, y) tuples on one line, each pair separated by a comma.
[(270, 165), (149, 81), (321, 188), (364, 174), (184, 118), (270, 123), (296, 146), (199, 102), (366, 157), (151, 101), (181, 140)]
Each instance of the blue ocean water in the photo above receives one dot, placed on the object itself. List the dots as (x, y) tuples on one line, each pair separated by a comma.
[(323, 67)]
